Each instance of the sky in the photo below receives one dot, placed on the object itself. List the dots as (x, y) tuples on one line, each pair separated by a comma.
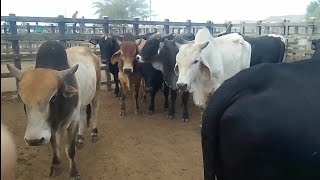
[(174, 10)]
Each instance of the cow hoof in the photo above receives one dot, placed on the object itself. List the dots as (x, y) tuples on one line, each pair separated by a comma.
[(122, 113), (185, 120), (170, 117), (54, 167), (94, 138), (78, 177), (79, 142), (150, 112)]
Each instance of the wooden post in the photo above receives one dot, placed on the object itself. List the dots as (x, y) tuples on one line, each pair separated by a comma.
[(15, 45), (188, 26), (242, 28), (136, 26), (74, 28), (5, 29), (258, 28), (52, 29), (62, 30), (166, 26), (105, 25), (29, 41), (311, 29), (209, 27), (267, 29), (94, 32), (296, 30), (123, 30), (284, 27)]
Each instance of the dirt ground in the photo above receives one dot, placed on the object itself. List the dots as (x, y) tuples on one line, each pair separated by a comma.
[(129, 148)]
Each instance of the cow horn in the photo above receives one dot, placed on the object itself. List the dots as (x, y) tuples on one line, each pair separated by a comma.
[(118, 41), (163, 36), (155, 36), (17, 73), (203, 45), (68, 71)]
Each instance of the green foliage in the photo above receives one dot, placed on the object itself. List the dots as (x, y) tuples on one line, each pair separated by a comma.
[(313, 10), (121, 9)]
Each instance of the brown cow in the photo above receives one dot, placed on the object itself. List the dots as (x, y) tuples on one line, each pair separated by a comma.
[(129, 70)]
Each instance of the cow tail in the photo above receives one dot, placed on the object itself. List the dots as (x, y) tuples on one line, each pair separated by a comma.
[(88, 111)]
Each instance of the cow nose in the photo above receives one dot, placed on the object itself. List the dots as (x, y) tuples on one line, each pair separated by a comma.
[(182, 86), (148, 89), (35, 142), (139, 58), (127, 71)]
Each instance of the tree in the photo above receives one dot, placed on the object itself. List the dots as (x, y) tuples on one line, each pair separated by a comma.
[(121, 9), (313, 10)]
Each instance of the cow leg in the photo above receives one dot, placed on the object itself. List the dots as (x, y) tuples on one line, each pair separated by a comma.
[(143, 94), (166, 95), (82, 122), (185, 114), (116, 82), (135, 97), (124, 92), (55, 144), (172, 107), (95, 108), (71, 149), (151, 106)]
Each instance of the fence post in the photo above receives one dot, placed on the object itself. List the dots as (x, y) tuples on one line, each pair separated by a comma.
[(5, 29), (136, 26), (284, 27), (29, 41), (311, 28), (105, 25), (94, 32), (15, 45), (62, 30), (166, 26), (188, 26), (242, 28), (209, 27), (258, 29), (267, 28), (74, 28), (52, 29)]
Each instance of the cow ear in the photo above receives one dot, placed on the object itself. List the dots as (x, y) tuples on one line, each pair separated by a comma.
[(138, 41), (205, 70), (69, 91), (115, 57), (93, 41)]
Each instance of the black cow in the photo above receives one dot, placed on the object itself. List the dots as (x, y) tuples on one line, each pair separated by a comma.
[(264, 124), (316, 47), (153, 83), (165, 61), (264, 49), (108, 46)]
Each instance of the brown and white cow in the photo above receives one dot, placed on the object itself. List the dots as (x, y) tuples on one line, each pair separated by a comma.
[(129, 70), (61, 93)]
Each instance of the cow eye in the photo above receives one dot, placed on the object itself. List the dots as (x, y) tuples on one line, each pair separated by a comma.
[(195, 62)]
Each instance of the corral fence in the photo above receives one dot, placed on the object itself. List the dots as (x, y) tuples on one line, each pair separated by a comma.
[(21, 36)]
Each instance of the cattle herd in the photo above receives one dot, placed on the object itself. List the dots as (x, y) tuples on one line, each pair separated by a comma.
[(260, 116)]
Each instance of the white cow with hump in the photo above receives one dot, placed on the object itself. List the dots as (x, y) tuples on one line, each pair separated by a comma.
[(204, 65)]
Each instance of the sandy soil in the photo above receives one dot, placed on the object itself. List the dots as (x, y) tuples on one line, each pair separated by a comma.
[(129, 148)]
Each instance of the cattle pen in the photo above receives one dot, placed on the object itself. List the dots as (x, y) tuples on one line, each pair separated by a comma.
[(19, 43), (136, 147)]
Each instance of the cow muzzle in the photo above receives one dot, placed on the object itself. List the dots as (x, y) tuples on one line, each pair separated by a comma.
[(183, 87), (104, 61), (35, 142), (128, 71)]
